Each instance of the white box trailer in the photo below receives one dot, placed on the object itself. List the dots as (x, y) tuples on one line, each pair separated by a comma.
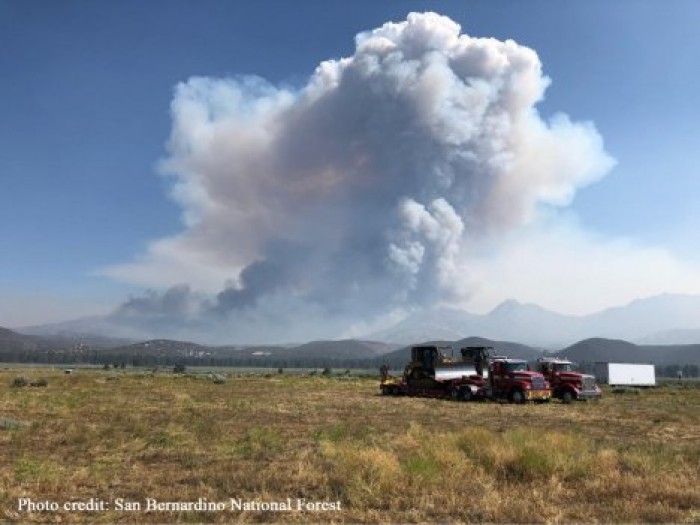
[(625, 374)]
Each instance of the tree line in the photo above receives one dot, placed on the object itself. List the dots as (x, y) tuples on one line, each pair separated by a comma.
[(120, 359)]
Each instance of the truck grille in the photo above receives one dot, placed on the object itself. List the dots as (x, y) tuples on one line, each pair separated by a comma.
[(538, 383), (588, 383)]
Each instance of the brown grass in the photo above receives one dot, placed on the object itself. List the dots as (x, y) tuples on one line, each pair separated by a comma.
[(629, 458)]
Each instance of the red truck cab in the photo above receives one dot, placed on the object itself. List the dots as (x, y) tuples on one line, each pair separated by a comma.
[(513, 380), (567, 383)]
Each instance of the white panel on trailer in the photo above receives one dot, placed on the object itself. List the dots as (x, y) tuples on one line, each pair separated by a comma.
[(631, 374)]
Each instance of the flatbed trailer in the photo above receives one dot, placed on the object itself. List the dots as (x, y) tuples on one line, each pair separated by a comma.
[(478, 375)]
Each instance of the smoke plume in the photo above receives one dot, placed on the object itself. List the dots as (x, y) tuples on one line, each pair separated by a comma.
[(363, 191)]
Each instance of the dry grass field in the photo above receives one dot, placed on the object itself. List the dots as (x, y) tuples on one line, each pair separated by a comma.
[(335, 441)]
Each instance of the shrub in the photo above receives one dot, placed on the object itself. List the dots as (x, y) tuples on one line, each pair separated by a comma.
[(179, 369), (218, 379), (9, 424), (39, 382), (261, 443), (421, 467), (20, 381), (334, 434)]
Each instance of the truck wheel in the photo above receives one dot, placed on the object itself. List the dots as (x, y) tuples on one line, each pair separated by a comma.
[(466, 395), (567, 397), (456, 394), (517, 397)]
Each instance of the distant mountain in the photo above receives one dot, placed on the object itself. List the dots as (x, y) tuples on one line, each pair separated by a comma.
[(163, 348), (663, 319), (29, 348), (509, 321), (669, 337), (537, 326), (530, 324), (612, 350), (14, 341), (600, 349), (642, 317), (10, 340), (588, 350), (103, 331), (168, 349), (439, 323)]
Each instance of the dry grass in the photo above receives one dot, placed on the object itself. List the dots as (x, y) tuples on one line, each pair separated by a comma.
[(629, 458)]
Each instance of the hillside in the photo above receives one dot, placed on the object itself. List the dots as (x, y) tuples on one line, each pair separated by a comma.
[(10, 341), (15, 347), (312, 351), (599, 349)]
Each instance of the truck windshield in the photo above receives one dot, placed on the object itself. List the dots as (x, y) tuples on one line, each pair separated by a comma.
[(564, 367), (516, 367)]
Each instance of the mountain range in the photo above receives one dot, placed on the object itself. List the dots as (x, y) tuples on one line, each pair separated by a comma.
[(16, 347), (667, 319), (662, 319)]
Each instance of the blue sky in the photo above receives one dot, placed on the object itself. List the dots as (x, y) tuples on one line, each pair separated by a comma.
[(86, 88)]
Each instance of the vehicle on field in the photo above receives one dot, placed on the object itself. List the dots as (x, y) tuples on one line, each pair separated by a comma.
[(479, 374), (566, 382), (625, 374), (430, 373)]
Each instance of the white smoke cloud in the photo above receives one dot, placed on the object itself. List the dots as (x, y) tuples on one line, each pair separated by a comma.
[(562, 267), (429, 238), (362, 192)]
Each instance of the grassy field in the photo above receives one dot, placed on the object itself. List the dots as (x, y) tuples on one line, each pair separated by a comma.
[(335, 443)]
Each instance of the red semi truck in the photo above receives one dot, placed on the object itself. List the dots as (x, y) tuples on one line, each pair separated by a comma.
[(477, 375), (568, 384)]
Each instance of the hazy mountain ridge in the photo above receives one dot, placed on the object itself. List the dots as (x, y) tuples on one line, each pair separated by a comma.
[(679, 337), (604, 336), (13, 343), (19, 347), (10, 340), (613, 350), (342, 349), (675, 317), (537, 326)]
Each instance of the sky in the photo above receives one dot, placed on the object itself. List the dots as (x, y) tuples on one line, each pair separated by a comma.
[(184, 159)]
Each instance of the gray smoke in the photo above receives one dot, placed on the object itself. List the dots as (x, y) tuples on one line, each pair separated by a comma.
[(363, 191), (174, 302)]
